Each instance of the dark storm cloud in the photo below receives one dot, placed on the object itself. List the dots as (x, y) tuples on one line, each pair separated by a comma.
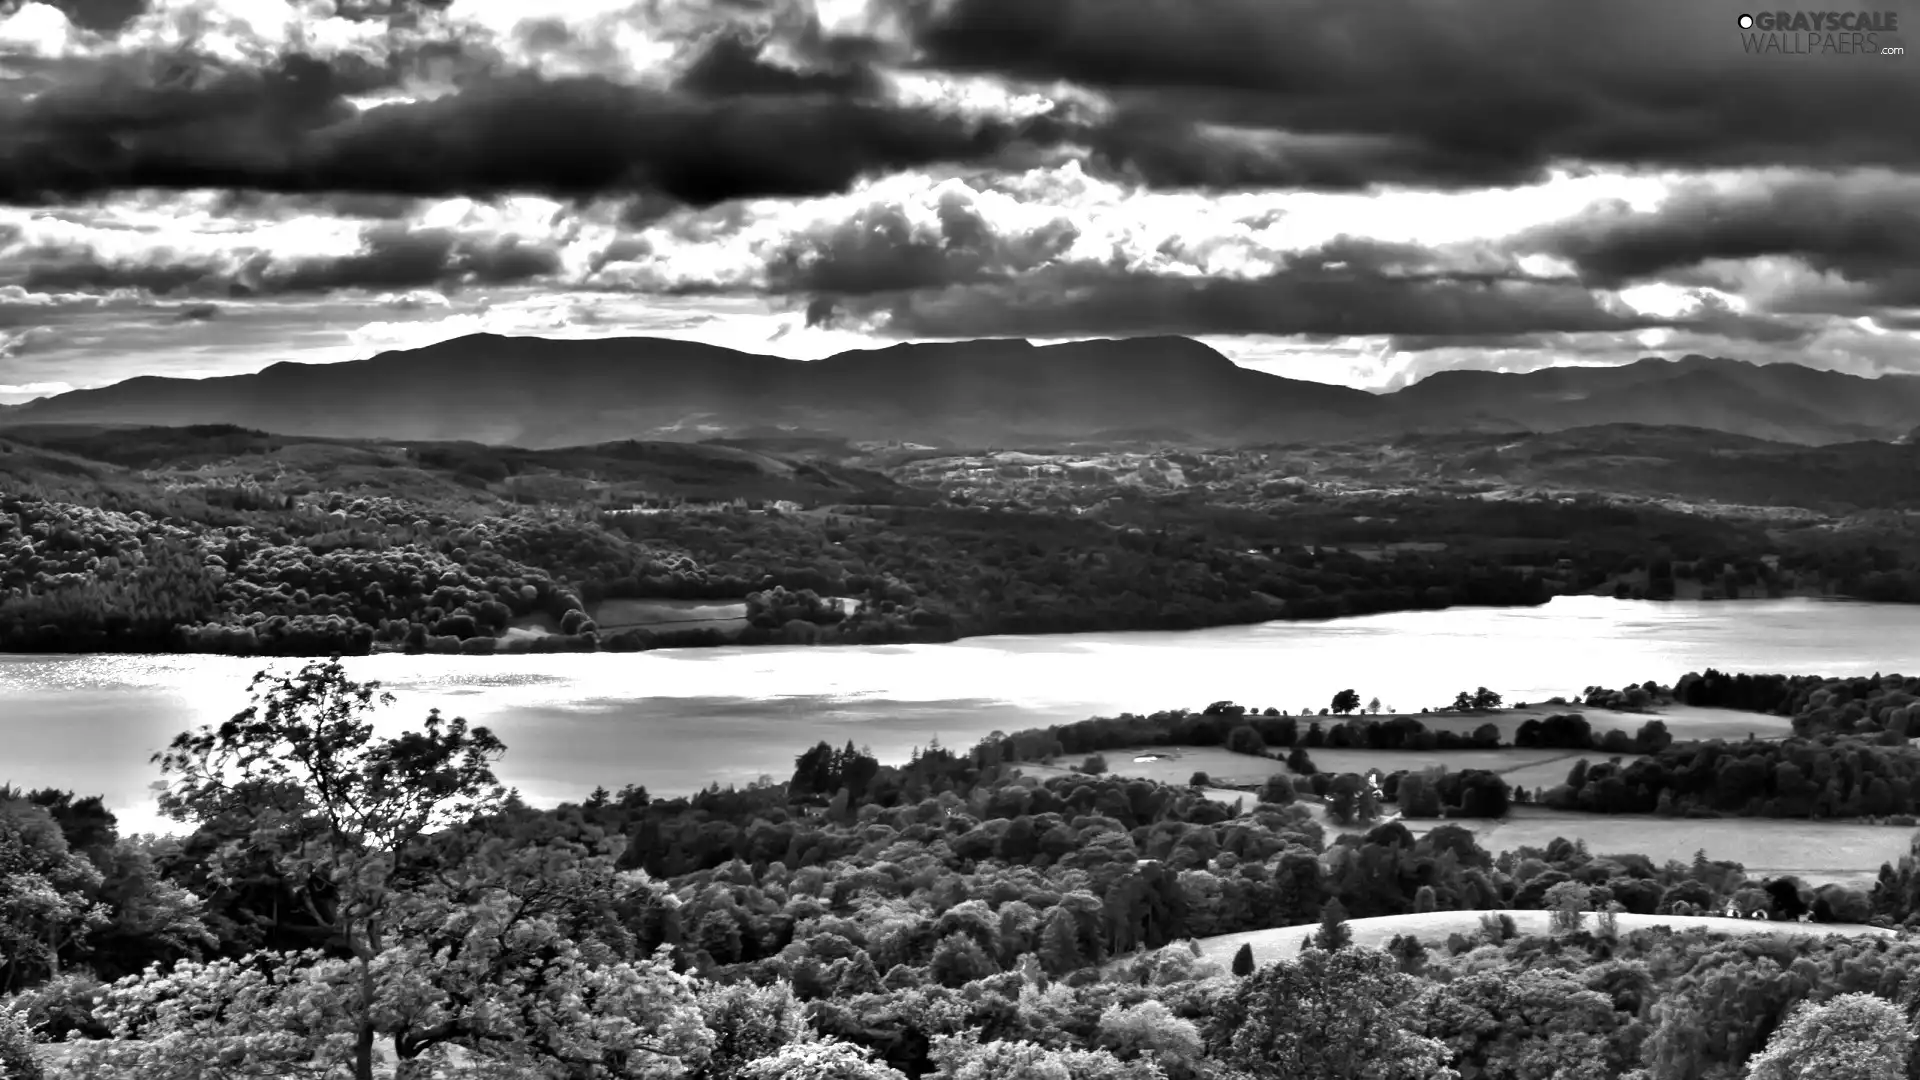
[(1348, 288), (1162, 148), (398, 258), (731, 65), (393, 258), (878, 249), (99, 16), (1463, 93), (822, 312), (1864, 227), (1078, 302), (261, 205), (33, 339), (646, 209), (290, 130)]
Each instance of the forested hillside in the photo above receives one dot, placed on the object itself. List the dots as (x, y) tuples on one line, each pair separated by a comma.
[(344, 902), (230, 541)]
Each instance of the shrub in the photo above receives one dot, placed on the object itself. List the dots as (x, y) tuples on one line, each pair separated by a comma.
[(17, 1059), (1245, 740), (1094, 765), (1199, 779), (63, 1007)]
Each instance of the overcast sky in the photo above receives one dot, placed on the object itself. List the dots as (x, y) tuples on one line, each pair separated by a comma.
[(1353, 191)]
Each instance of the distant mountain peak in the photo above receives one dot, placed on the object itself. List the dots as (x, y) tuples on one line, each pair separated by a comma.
[(545, 392)]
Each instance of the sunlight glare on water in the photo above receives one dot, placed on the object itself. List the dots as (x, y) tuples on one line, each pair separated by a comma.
[(679, 719)]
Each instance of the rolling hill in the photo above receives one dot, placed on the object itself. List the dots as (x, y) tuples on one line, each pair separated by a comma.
[(545, 393), (1778, 402), (1433, 928), (1689, 464)]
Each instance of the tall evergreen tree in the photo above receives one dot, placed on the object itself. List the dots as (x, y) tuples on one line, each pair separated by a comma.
[(1243, 960), (1334, 933)]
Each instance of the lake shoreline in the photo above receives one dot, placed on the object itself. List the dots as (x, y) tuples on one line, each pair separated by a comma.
[(676, 720), (517, 641)]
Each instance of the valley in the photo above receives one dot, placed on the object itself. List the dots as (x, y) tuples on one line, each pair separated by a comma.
[(226, 539)]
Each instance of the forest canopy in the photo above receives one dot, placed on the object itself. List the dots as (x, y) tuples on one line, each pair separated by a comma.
[(345, 902)]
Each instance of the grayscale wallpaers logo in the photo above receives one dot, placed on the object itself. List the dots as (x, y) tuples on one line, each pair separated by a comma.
[(1822, 33)]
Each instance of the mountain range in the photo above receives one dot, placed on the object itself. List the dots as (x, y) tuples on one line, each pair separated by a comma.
[(541, 393)]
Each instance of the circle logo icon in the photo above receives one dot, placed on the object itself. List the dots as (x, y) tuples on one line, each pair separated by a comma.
[(1746, 22)]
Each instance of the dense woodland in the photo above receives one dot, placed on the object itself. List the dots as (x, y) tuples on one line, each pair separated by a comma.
[(341, 901), (221, 540)]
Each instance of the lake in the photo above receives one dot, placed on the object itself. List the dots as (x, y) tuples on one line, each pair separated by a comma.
[(676, 720)]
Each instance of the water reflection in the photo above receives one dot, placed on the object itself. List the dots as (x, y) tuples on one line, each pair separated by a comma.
[(680, 719)]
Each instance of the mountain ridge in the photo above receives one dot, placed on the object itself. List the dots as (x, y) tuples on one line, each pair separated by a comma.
[(545, 392)]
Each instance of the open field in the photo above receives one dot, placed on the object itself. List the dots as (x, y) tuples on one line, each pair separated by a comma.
[(1684, 721), (611, 615), (1847, 853), (1177, 764), (1529, 768), (1526, 767), (1184, 760), (1433, 927), (678, 614), (1817, 852)]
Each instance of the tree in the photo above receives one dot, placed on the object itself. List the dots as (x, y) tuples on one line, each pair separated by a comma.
[(1484, 698), (1850, 1037), (153, 918), (1569, 901), (1462, 702), (1346, 701), (1243, 959), (1373, 706), (443, 929), (1278, 789), (1060, 948), (1350, 799), (1326, 1016), (1418, 796), (511, 989), (964, 1057), (1334, 934), (339, 811), (1149, 1031), (748, 1023), (819, 1059), (46, 894), (958, 960), (1519, 1025), (1297, 888)]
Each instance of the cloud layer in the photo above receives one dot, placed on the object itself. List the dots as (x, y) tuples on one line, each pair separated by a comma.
[(1388, 187)]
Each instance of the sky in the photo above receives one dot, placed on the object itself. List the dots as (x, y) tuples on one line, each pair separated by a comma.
[(1351, 191)]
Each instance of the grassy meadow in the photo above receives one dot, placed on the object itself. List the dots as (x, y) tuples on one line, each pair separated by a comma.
[(1433, 927), (1819, 852), (1685, 721)]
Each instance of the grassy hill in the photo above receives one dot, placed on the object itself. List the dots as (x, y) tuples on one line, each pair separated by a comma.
[(1433, 928)]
